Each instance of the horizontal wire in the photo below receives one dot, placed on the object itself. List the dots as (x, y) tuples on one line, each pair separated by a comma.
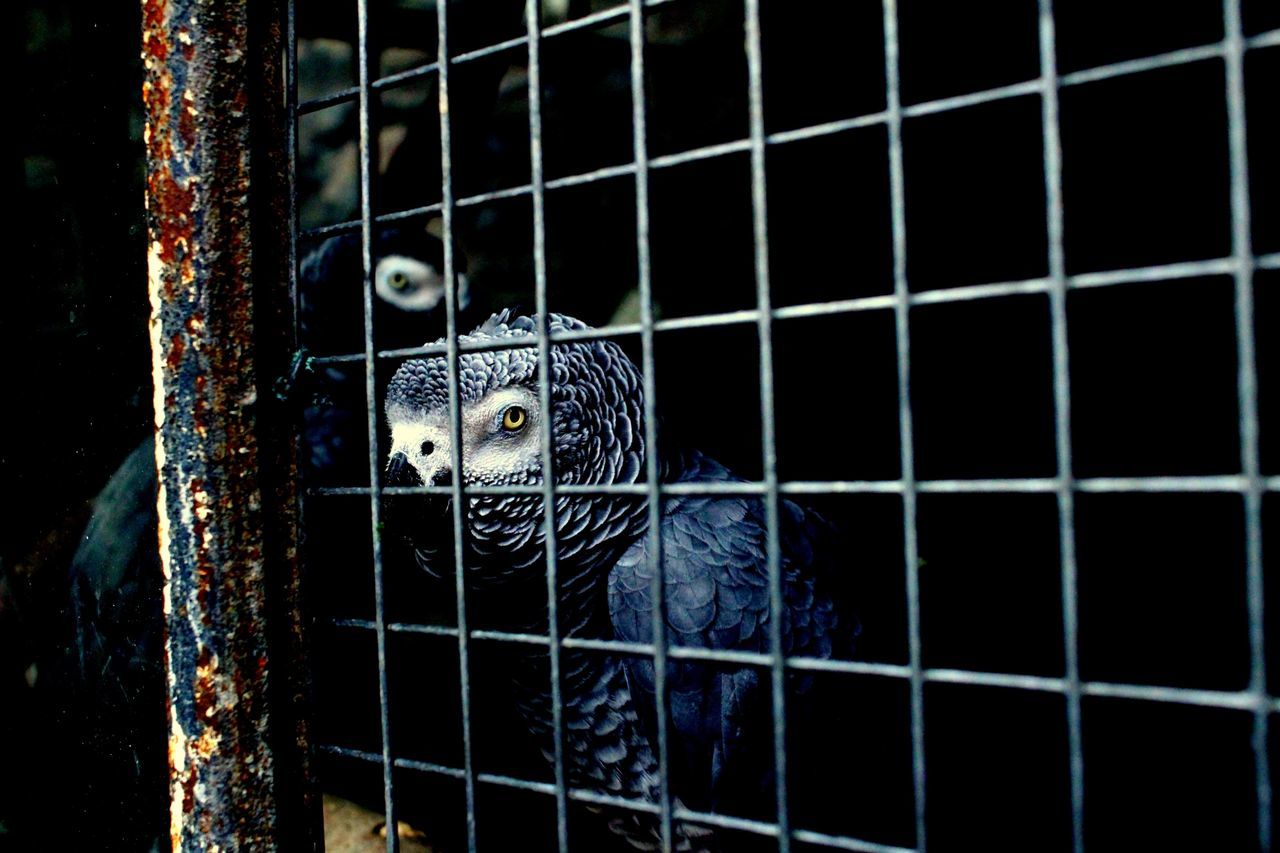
[(1026, 88), (1185, 56), (1227, 699), (401, 78), (946, 295), (1270, 38), (844, 842), (972, 99), (1163, 272), (347, 752), (1224, 484), (1267, 262), (430, 767), (1243, 701), (839, 842), (342, 96)]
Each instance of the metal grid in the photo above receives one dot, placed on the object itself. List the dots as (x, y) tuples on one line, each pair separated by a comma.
[(1249, 483)]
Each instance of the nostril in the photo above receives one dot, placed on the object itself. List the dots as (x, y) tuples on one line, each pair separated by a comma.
[(428, 448)]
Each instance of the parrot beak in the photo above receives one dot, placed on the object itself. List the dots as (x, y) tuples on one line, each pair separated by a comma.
[(400, 472)]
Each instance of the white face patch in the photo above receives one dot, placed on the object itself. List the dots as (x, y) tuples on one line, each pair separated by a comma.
[(489, 452), (408, 283)]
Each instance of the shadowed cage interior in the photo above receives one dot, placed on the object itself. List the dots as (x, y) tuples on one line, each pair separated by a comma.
[(985, 287)]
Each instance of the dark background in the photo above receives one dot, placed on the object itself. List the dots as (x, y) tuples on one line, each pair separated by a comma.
[(1153, 375)]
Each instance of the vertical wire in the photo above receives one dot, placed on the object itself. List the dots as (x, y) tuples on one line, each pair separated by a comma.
[(640, 154), (1247, 390), (455, 418), (534, 28), (371, 423), (901, 313), (768, 439), (1062, 412)]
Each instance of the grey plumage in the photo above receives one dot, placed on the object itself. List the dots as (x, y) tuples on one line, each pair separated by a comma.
[(713, 561)]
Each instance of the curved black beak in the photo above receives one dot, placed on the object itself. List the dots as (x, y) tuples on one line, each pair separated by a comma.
[(400, 472)]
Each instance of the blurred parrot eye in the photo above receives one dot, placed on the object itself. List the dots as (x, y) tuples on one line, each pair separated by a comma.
[(398, 280), (514, 418)]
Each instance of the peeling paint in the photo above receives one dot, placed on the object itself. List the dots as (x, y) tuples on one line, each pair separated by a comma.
[(197, 92)]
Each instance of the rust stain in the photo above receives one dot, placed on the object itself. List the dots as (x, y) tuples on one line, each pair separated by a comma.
[(154, 15), (187, 122), (206, 690), (188, 44), (176, 346), (204, 76), (188, 795)]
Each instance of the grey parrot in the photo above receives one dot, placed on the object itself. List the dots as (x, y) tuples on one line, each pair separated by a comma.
[(713, 562), (408, 289)]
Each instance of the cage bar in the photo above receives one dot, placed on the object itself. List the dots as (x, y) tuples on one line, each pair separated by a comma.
[(1247, 391), (533, 24), (366, 156), (902, 334), (455, 414), (768, 439), (217, 214), (1062, 412), (644, 275)]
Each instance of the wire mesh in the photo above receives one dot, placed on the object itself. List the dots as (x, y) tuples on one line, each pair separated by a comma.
[(1250, 483)]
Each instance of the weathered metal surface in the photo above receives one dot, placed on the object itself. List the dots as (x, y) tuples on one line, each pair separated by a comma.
[(227, 507)]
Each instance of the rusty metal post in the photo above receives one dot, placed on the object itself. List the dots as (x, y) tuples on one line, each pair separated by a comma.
[(220, 330)]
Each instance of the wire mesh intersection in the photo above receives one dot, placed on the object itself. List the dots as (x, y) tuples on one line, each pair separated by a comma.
[(1250, 483)]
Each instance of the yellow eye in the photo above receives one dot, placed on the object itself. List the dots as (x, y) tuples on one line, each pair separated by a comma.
[(398, 280), (514, 418)]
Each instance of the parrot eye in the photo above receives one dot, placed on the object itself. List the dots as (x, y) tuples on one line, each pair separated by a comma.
[(514, 418), (398, 280)]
